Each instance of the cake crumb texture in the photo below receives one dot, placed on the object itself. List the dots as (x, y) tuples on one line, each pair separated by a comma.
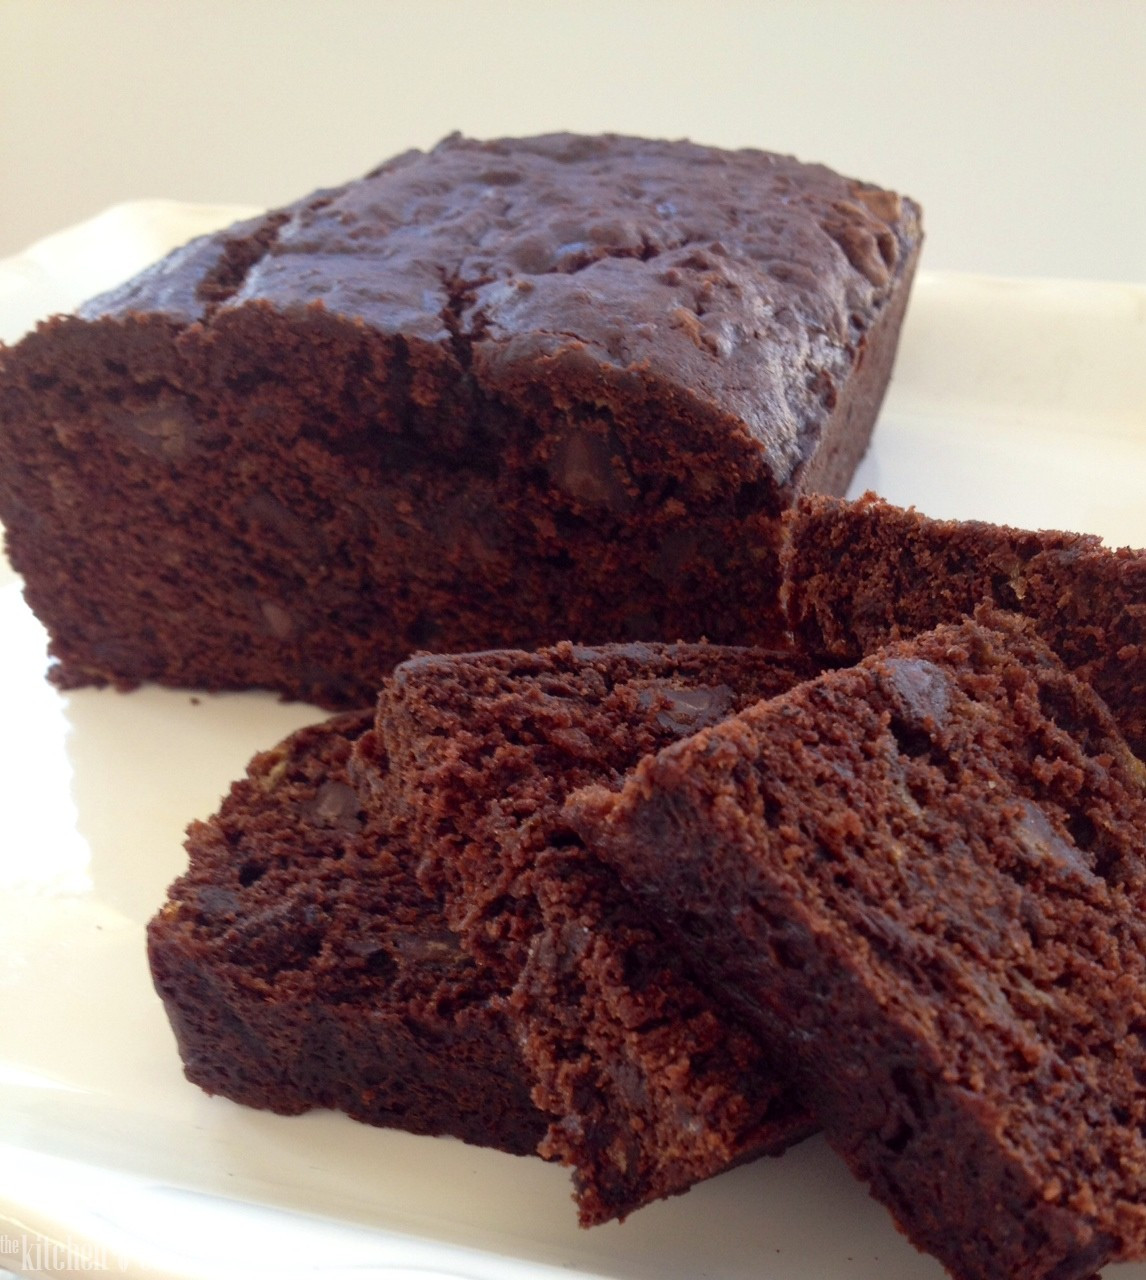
[(924, 876), (650, 1085), (301, 966), (859, 574)]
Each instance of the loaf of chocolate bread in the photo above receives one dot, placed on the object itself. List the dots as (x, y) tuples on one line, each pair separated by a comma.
[(301, 965), (650, 1085), (498, 393), (924, 876), (858, 574)]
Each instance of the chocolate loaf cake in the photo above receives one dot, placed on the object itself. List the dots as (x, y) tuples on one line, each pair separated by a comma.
[(650, 1086), (859, 574), (924, 876), (302, 966), (498, 393)]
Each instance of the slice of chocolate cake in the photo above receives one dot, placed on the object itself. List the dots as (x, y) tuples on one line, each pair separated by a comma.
[(924, 877), (498, 393), (302, 966), (859, 574), (650, 1085)]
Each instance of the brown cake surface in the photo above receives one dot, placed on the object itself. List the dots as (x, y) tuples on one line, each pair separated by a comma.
[(498, 393), (925, 877), (650, 1085), (862, 573), (301, 965)]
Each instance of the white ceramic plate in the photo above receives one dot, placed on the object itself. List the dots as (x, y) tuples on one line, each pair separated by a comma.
[(1016, 401)]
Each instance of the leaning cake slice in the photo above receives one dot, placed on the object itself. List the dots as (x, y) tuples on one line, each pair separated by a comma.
[(924, 878), (650, 1085), (496, 393), (301, 965), (861, 574)]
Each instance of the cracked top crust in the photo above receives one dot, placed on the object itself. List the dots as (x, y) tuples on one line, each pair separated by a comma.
[(738, 279)]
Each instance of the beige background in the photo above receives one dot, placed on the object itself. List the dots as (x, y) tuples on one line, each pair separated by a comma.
[(1020, 124)]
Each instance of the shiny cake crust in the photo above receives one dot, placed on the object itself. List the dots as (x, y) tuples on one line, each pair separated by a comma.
[(499, 393)]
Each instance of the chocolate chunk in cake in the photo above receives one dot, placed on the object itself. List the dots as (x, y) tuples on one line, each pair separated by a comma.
[(499, 393), (924, 878), (650, 1085)]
